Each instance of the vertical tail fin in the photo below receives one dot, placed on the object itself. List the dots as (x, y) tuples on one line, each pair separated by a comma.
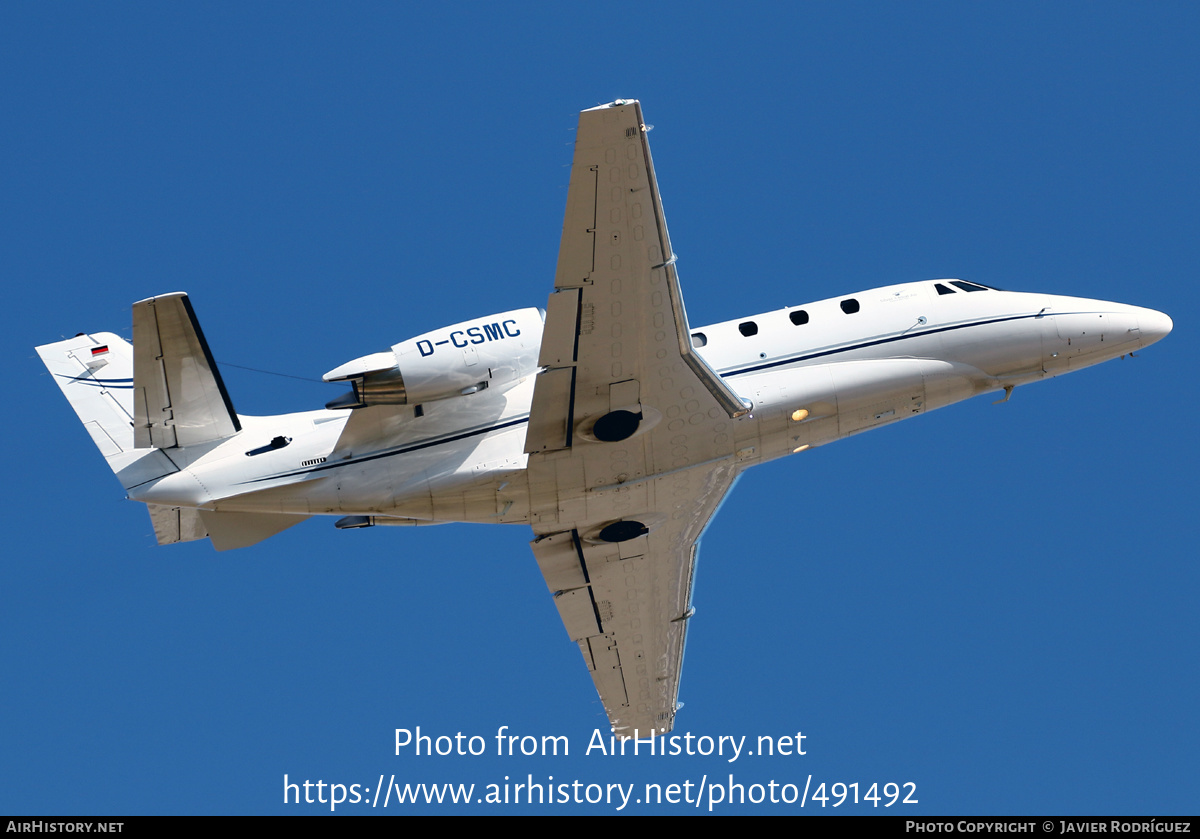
[(95, 373)]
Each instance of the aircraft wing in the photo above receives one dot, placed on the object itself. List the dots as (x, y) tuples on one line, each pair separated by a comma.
[(633, 440), (627, 604)]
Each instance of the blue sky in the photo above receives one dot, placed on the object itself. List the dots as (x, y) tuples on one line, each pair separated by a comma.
[(996, 603)]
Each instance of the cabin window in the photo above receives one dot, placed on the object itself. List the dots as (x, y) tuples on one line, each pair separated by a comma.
[(699, 339), (941, 289), (968, 286), (748, 328), (849, 305), (799, 317)]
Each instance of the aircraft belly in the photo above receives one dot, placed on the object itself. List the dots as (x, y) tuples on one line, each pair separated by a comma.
[(947, 382), (449, 506), (370, 488), (810, 406), (312, 497), (489, 497), (414, 501), (486, 484)]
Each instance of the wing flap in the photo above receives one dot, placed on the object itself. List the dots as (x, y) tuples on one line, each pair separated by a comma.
[(578, 613), (562, 319), (577, 249), (550, 411), (559, 558), (604, 662)]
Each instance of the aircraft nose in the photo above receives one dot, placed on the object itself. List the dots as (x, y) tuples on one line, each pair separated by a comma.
[(1154, 325)]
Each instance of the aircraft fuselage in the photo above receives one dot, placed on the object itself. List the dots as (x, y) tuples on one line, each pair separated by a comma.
[(814, 373)]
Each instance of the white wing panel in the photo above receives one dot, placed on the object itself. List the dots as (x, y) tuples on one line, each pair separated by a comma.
[(632, 439), (617, 312), (627, 604)]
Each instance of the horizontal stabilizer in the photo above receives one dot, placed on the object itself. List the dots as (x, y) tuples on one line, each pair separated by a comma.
[(226, 530), (241, 530), (176, 524), (178, 396)]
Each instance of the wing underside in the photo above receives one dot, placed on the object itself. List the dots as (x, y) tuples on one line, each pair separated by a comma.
[(632, 438), (627, 604)]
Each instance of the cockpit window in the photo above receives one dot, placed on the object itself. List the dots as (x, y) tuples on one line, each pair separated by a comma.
[(799, 317), (748, 328), (941, 289), (968, 286)]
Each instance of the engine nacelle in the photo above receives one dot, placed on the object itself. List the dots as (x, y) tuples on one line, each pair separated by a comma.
[(467, 357)]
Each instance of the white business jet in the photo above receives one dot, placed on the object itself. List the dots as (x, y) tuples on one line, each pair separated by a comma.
[(606, 422)]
